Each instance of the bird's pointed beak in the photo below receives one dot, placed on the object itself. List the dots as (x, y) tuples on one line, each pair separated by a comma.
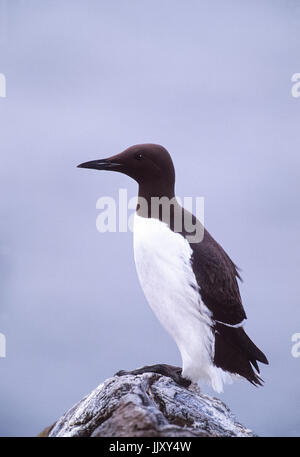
[(102, 164)]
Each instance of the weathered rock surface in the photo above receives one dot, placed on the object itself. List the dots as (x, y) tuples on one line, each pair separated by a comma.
[(147, 405)]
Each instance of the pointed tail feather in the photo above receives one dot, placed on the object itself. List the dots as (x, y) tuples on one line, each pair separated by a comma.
[(235, 352)]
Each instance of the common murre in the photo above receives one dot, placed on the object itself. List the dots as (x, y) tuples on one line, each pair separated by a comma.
[(190, 285)]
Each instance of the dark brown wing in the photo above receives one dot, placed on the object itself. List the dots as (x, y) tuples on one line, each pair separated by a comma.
[(217, 276)]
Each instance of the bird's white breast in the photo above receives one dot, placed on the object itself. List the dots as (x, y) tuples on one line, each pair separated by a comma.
[(163, 262)]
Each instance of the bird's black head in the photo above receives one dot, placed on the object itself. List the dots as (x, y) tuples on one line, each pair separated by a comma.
[(148, 164)]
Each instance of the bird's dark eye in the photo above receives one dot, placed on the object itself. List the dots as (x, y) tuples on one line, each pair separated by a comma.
[(139, 156)]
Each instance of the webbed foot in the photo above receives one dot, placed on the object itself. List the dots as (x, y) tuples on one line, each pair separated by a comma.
[(165, 370)]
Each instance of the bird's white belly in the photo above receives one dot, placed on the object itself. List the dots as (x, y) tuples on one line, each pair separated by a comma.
[(162, 259)]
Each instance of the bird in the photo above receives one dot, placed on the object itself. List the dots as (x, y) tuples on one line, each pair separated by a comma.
[(190, 284)]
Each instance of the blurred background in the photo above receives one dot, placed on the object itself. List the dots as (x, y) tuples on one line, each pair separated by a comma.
[(209, 80)]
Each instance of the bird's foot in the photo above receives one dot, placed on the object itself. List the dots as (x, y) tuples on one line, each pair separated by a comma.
[(165, 370)]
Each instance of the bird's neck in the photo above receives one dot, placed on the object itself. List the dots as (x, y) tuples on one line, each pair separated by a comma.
[(150, 196)]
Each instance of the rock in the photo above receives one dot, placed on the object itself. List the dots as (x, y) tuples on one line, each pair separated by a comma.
[(147, 405)]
